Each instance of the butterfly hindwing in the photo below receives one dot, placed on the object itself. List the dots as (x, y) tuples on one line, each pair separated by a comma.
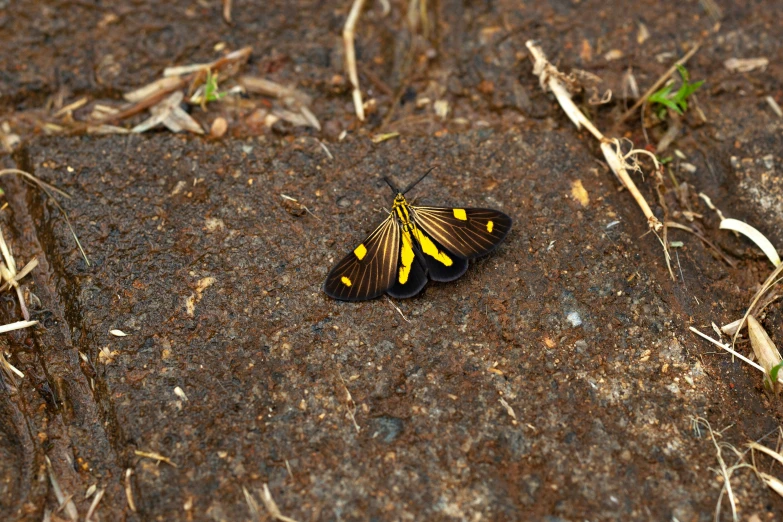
[(464, 232), (442, 265), (411, 274), (371, 269)]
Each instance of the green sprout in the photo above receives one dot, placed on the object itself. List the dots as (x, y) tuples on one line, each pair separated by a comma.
[(211, 92), (772, 378), (678, 101)]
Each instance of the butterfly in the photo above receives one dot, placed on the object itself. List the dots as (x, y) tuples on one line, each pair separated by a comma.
[(415, 244)]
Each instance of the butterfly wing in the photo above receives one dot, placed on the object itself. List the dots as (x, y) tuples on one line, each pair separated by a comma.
[(371, 269), (463, 232), (411, 277)]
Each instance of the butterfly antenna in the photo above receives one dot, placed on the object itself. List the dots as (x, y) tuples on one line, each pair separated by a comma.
[(418, 180), (388, 182)]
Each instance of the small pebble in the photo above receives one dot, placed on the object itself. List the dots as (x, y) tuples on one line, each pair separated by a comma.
[(574, 318), (219, 128)]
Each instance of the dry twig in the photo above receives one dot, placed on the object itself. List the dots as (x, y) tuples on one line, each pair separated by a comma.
[(293, 99), (155, 456), (724, 471), (129, 490), (552, 79), (773, 279), (350, 56), (269, 504), (65, 502), (49, 190)]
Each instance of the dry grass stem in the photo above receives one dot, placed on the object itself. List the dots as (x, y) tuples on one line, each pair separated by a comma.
[(94, 505), (11, 277), (673, 224), (233, 58), (772, 453), (227, 11), (349, 399), (745, 64), (730, 350), (129, 490), (508, 408), (326, 149), (552, 79), (711, 206), (49, 190), (724, 471), (765, 350), (64, 501), (272, 89), (171, 115), (657, 85), (350, 56), (731, 328), (774, 483), (71, 107), (398, 310), (162, 85), (23, 272), (183, 75), (141, 105), (294, 100), (9, 369), (155, 456), (774, 105), (255, 512), (620, 164), (773, 279), (754, 235), (271, 506), (379, 138), (16, 326), (46, 187), (296, 208)]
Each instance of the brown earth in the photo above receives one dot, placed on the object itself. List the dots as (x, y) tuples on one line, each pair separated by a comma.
[(387, 409)]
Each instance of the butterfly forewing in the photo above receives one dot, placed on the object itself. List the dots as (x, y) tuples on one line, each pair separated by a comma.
[(370, 269), (464, 232)]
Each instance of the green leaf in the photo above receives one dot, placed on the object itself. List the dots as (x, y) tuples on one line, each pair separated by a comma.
[(211, 92), (683, 72), (773, 373), (678, 102)]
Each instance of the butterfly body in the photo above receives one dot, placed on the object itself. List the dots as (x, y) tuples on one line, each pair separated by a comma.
[(415, 244)]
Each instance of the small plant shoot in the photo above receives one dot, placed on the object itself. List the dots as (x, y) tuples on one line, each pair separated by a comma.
[(678, 101), (211, 92)]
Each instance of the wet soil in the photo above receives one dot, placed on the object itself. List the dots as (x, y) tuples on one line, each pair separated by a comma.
[(556, 380)]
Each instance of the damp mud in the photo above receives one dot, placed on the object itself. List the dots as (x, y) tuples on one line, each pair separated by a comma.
[(556, 380)]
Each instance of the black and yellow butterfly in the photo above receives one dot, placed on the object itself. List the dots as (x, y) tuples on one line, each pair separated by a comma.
[(414, 244)]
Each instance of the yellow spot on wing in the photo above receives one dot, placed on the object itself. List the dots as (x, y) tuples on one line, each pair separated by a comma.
[(346, 281), (406, 258), (430, 249), (490, 226), (459, 213), (360, 252)]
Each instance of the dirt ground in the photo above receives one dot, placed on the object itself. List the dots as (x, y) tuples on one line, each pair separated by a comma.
[(556, 381)]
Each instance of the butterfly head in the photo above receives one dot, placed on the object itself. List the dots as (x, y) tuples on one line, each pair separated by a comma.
[(399, 193)]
